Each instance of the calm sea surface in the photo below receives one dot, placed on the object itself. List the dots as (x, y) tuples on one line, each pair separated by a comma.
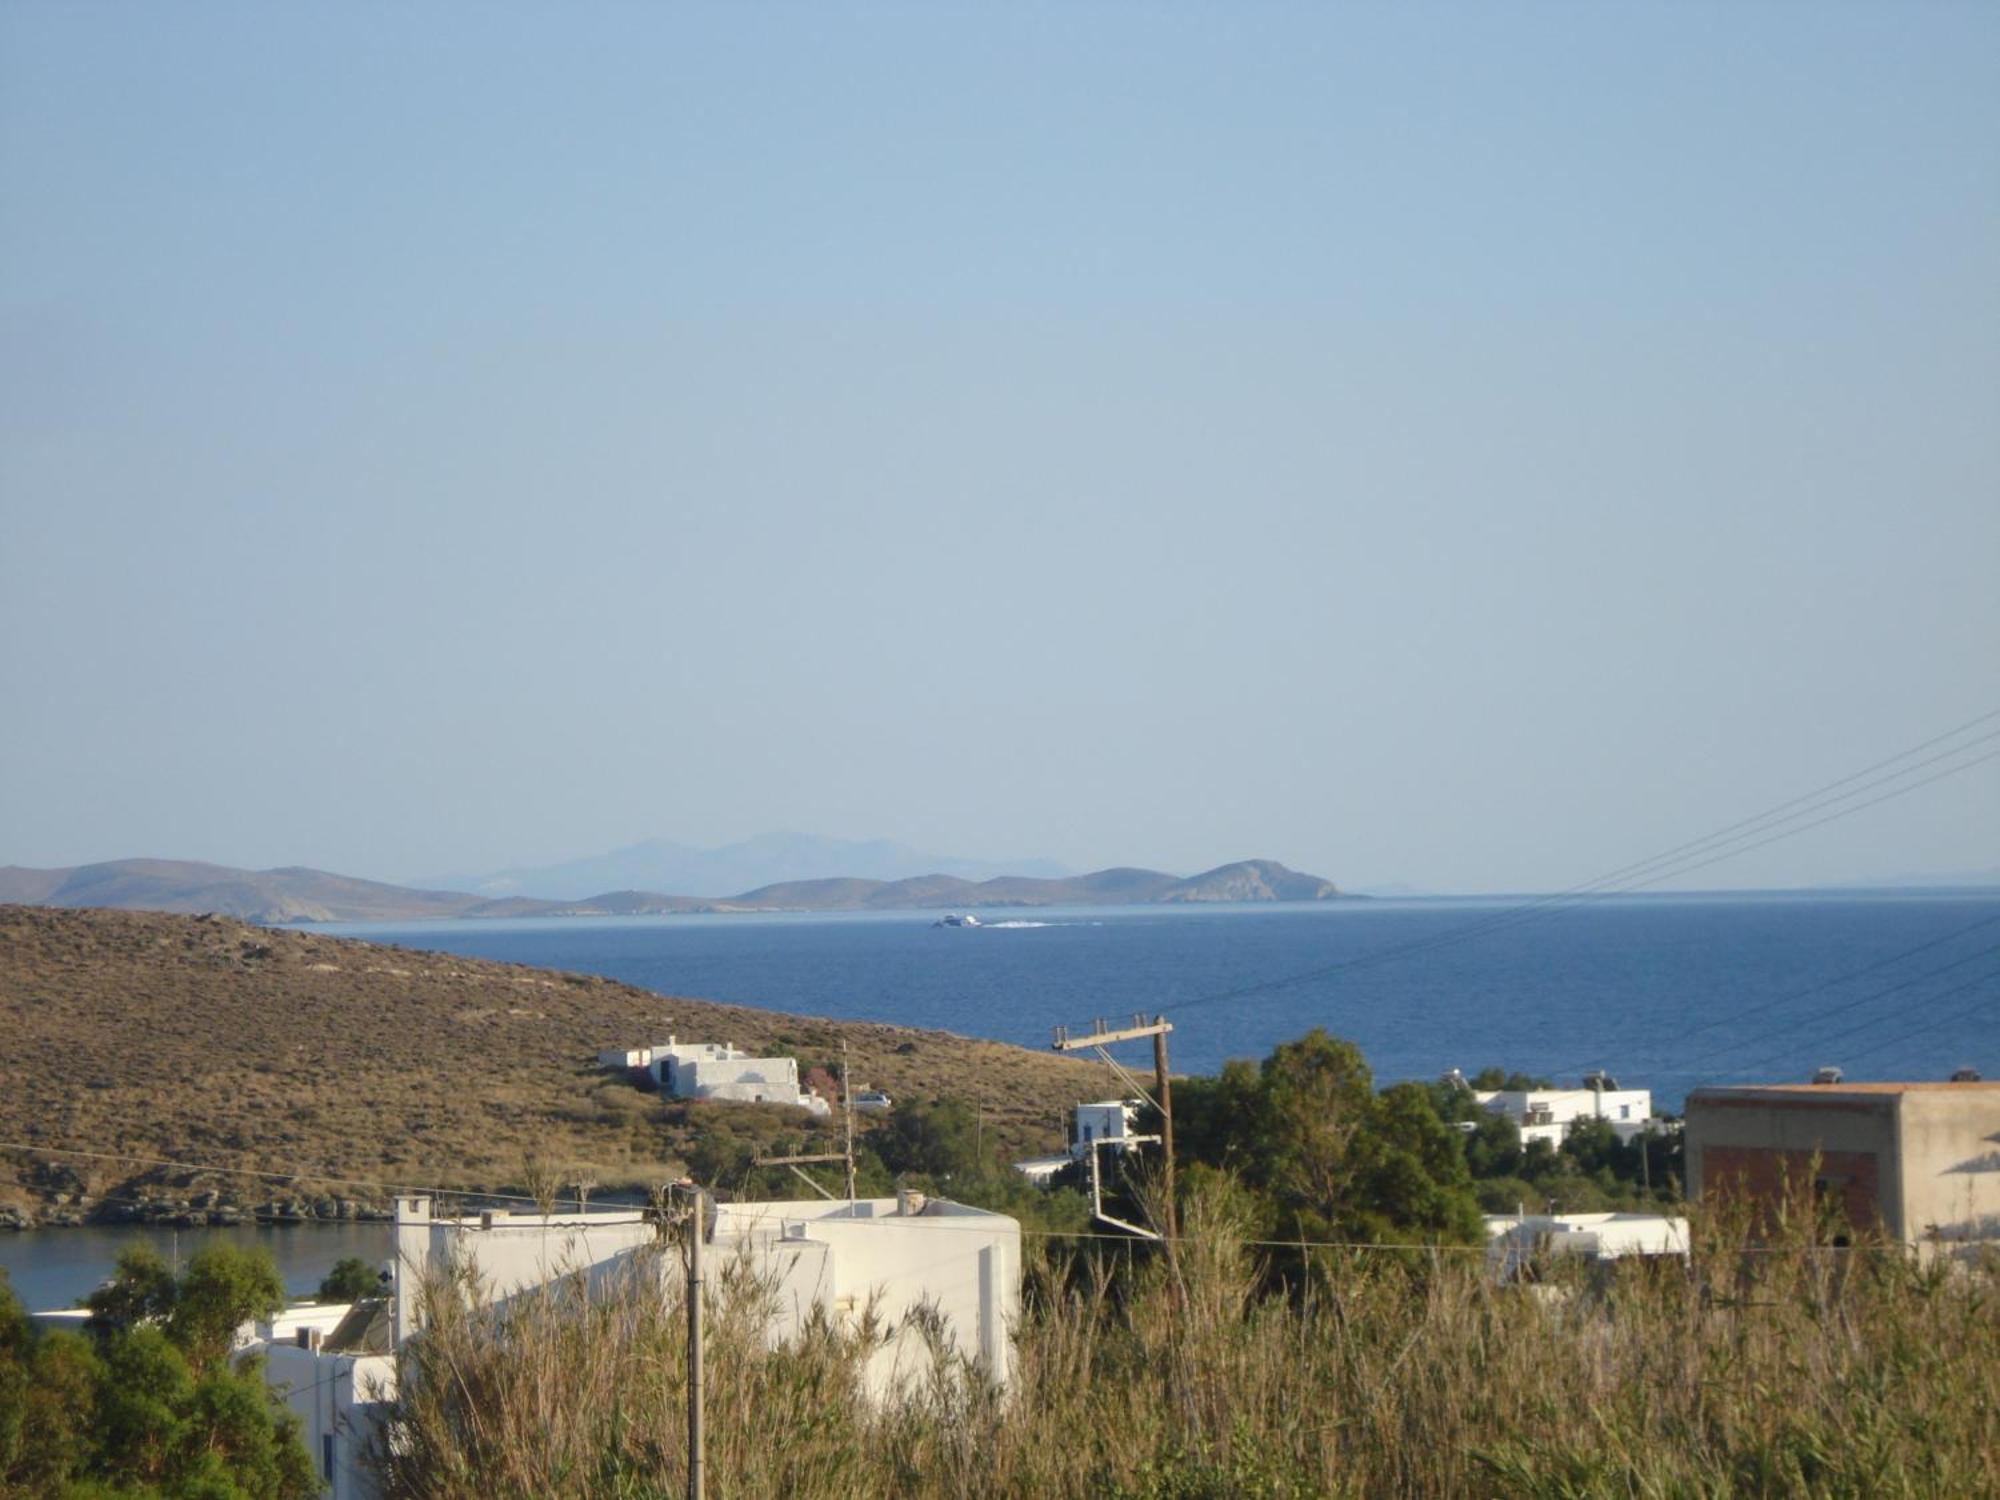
[(1664, 992)]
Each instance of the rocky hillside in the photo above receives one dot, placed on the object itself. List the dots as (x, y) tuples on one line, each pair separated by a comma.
[(169, 1066), (1252, 880), (290, 894)]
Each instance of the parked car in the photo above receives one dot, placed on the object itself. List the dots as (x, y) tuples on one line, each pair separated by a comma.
[(872, 1102)]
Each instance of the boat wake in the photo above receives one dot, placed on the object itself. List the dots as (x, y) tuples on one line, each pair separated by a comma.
[(997, 925)]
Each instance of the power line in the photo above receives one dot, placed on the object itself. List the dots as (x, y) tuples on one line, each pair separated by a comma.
[(1739, 1015), (1957, 1015), (1827, 1041), (1769, 816), (1791, 1027), (1544, 906), (1767, 823)]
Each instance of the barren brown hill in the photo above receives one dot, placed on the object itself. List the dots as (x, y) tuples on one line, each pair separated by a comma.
[(347, 1070)]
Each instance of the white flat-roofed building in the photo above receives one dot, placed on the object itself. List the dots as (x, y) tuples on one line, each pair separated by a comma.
[(894, 1255), (508, 1253), (1513, 1241), (907, 1259), (1112, 1122), (1547, 1114), (335, 1368), (625, 1057), (931, 1272), (1104, 1120), (718, 1071), (675, 1063)]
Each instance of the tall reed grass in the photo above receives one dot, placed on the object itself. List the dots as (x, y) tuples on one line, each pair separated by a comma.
[(1783, 1368)]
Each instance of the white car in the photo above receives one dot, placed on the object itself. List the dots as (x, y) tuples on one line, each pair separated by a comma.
[(872, 1102)]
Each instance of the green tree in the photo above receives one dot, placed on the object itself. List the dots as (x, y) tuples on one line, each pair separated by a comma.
[(224, 1288), (1493, 1146), (141, 1290), (149, 1404), (1326, 1157), (1413, 1175), (1317, 1097), (351, 1279), (934, 1138), (1491, 1079)]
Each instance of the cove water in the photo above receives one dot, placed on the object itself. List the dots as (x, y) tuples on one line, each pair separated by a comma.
[(55, 1268)]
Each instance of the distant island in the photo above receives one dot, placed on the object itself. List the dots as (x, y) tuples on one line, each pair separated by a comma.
[(296, 894), (664, 864)]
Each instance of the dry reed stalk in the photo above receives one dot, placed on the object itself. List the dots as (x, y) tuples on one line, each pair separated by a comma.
[(1765, 1369)]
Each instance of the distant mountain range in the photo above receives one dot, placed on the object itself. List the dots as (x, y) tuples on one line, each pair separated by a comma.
[(296, 894), (769, 859)]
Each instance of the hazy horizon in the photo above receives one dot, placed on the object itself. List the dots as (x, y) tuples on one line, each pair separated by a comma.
[(1465, 447)]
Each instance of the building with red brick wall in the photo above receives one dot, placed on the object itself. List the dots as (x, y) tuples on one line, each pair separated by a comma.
[(1920, 1159)]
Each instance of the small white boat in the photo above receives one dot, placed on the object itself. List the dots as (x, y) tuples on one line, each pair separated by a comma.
[(956, 919)]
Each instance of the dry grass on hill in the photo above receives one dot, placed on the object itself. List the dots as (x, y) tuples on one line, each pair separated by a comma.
[(349, 1069)]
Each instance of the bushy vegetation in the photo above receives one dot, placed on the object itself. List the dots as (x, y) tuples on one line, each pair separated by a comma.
[(148, 1403), (1782, 1369), (1320, 1155), (351, 1279), (1312, 1149)]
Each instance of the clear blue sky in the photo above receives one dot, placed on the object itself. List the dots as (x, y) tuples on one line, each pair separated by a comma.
[(1469, 446)]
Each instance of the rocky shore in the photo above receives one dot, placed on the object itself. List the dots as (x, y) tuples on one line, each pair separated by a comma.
[(198, 1212), (63, 1200)]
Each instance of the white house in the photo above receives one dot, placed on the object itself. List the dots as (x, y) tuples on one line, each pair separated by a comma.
[(335, 1367), (625, 1058), (716, 1070), (1547, 1114), (506, 1252), (892, 1253), (1513, 1241), (897, 1257), (1112, 1122), (1106, 1120), (909, 1259)]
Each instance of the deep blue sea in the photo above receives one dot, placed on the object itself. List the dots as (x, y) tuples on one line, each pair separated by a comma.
[(1664, 992)]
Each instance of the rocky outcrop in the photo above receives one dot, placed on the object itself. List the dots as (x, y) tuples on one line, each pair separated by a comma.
[(1253, 880)]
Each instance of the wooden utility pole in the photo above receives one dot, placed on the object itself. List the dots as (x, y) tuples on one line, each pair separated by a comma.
[(1097, 1039), (1165, 1085), (697, 1458), (847, 1111)]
